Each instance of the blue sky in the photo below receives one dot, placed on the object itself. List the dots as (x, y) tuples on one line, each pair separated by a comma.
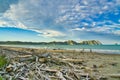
[(49, 20)]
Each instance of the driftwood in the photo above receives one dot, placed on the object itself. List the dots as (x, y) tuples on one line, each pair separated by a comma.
[(22, 59), (68, 77), (24, 56), (50, 70), (54, 78), (60, 75), (46, 66), (74, 60), (114, 75)]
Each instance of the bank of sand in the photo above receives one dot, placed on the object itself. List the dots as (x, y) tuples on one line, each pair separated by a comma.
[(100, 64)]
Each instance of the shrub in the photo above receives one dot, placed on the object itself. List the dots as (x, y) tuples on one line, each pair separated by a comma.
[(1, 78), (3, 61)]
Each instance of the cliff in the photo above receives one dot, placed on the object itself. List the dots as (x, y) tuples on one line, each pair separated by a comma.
[(91, 42)]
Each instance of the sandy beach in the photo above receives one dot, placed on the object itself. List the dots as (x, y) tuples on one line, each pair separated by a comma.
[(97, 66)]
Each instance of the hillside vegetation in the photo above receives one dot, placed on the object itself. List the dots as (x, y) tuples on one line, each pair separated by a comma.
[(68, 42)]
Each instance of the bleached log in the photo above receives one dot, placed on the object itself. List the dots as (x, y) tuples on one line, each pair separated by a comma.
[(74, 60), (114, 75), (50, 70), (42, 75), (24, 56), (22, 59), (76, 76), (83, 74), (54, 77), (68, 77), (60, 75)]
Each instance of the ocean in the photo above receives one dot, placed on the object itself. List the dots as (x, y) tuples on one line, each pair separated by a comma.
[(108, 49)]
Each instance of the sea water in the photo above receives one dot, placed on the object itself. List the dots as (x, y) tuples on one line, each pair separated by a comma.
[(109, 49)]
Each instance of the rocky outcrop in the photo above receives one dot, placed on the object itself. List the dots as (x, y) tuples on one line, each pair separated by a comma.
[(70, 42), (91, 42)]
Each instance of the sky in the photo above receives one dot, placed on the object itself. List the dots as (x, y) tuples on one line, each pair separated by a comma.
[(60, 20)]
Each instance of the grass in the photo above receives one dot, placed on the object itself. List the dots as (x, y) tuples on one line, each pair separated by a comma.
[(1, 78), (3, 61)]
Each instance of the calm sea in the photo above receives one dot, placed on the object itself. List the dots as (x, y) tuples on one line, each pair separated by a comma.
[(109, 49)]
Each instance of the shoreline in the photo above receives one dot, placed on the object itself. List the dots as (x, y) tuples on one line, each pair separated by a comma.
[(94, 64), (99, 51)]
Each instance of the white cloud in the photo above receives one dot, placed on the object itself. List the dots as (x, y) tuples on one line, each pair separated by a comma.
[(109, 29), (63, 18), (3, 23), (40, 15), (101, 29), (119, 20), (93, 24), (16, 24), (51, 33), (105, 7), (116, 32), (85, 11), (78, 29)]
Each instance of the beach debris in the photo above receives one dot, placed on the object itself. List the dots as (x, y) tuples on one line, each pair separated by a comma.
[(49, 66), (114, 75), (46, 55), (43, 60), (77, 61), (113, 63), (9, 68), (101, 66), (103, 78), (94, 66)]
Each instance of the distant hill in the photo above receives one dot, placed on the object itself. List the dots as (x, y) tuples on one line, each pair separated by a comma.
[(91, 42), (68, 42), (71, 42)]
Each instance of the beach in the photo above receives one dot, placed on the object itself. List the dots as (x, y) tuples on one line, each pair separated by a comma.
[(59, 64)]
